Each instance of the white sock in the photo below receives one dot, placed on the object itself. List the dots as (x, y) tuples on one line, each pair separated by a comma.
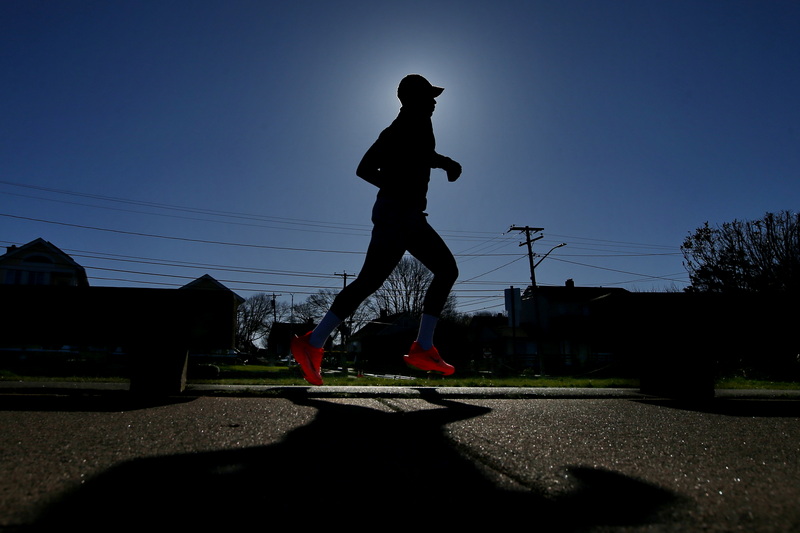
[(323, 330), (427, 325)]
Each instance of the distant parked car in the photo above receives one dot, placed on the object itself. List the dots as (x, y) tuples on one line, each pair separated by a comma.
[(220, 357), (288, 360)]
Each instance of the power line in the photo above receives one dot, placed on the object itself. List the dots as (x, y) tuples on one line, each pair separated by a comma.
[(361, 228), (206, 241), (614, 270), (183, 239), (350, 229), (200, 266), (228, 214), (493, 270), (482, 249), (224, 268)]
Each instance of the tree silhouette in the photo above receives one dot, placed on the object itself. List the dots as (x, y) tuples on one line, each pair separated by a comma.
[(760, 256), (404, 290)]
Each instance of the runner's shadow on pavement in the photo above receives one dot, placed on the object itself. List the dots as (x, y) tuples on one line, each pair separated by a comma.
[(352, 465)]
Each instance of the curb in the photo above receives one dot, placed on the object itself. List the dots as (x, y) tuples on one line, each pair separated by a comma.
[(73, 388)]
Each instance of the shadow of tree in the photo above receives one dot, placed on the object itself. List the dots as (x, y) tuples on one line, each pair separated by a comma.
[(354, 465)]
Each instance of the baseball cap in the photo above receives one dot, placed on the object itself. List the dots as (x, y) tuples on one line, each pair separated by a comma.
[(415, 86)]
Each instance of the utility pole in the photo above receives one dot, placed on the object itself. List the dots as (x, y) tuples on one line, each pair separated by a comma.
[(344, 331), (529, 242), (534, 296), (274, 308), (344, 275)]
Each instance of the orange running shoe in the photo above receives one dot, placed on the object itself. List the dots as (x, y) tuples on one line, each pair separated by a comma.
[(427, 360), (309, 358)]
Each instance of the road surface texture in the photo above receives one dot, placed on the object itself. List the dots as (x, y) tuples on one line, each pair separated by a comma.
[(597, 461)]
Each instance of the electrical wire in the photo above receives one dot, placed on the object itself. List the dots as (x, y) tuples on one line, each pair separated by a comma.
[(487, 246)]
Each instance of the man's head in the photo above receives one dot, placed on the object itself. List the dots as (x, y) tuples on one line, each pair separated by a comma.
[(415, 91)]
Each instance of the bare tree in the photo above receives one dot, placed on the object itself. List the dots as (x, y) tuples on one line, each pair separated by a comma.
[(404, 290), (315, 306), (746, 256), (318, 304), (255, 318), (252, 321)]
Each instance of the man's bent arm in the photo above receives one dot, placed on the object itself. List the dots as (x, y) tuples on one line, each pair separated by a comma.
[(369, 168), (452, 168)]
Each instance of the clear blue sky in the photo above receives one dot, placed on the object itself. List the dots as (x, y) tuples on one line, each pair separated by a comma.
[(156, 141)]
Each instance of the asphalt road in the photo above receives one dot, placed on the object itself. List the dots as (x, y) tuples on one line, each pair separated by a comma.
[(546, 460)]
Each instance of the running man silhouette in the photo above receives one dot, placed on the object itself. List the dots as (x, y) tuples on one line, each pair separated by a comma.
[(399, 163)]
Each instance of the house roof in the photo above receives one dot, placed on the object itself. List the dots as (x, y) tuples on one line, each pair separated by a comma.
[(206, 282), (37, 245), (575, 294), (49, 250)]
